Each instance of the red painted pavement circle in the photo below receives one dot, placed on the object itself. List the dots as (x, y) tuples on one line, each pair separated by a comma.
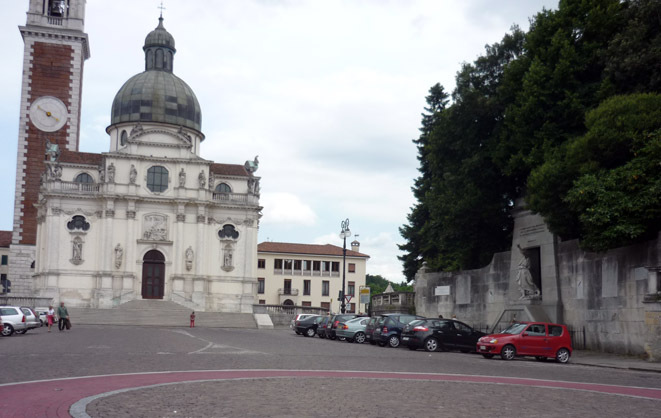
[(54, 398)]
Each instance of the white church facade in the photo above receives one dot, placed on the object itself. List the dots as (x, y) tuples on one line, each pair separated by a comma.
[(150, 218)]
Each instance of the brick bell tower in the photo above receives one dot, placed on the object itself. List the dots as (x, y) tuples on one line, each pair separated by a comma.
[(55, 50)]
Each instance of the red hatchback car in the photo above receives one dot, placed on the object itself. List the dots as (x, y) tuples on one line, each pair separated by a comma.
[(538, 339)]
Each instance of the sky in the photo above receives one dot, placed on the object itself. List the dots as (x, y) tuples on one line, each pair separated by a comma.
[(329, 94)]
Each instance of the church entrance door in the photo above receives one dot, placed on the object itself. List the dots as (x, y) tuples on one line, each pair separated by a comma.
[(153, 275)]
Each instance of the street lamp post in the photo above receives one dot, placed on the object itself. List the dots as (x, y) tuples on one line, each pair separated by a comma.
[(344, 234)]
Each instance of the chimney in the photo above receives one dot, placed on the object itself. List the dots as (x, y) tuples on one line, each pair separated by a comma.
[(355, 246)]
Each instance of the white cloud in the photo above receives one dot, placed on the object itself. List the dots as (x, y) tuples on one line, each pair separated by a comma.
[(286, 209)]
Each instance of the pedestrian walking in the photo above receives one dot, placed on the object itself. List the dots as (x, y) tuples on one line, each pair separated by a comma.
[(192, 320), (63, 316), (50, 316)]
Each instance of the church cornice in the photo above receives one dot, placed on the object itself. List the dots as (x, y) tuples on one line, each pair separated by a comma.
[(57, 34)]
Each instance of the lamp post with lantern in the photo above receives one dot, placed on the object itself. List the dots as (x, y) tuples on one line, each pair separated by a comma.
[(344, 234)]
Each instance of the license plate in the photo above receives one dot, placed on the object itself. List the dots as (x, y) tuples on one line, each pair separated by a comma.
[(405, 338), (483, 347)]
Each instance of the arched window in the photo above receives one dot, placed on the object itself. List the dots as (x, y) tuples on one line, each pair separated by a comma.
[(124, 137), (228, 231), (78, 222), (157, 179), (83, 178), (159, 58), (223, 188)]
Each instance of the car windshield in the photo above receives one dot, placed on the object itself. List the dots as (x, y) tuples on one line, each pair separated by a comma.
[(417, 322), (514, 329)]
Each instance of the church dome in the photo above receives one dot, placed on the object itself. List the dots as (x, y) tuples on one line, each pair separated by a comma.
[(157, 95)]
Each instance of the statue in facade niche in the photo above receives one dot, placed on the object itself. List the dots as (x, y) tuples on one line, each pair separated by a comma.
[(52, 150), (77, 249), (119, 253), (133, 174), (189, 258), (527, 286), (202, 179), (102, 175), (111, 173), (182, 178)]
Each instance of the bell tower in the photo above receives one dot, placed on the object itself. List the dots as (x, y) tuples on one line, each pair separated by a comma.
[(55, 49)]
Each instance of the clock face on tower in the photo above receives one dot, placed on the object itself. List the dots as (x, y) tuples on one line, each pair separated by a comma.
[(48, 113)]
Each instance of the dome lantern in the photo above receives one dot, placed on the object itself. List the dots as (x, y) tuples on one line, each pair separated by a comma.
[(157, 95)]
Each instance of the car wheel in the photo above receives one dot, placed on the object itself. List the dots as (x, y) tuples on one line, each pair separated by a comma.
[(562, 356), (331, 337), (341, 338), (310, 332), (540, 358), (393, 341), (7, 330), (23, 331), (431, 344), (508, 352), (359, 337), (487, 355)]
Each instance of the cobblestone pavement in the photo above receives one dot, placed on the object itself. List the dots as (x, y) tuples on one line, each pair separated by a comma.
[(293, 376)]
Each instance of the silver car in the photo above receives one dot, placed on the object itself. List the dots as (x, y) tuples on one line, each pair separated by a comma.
[(353, 329), (13, 319)]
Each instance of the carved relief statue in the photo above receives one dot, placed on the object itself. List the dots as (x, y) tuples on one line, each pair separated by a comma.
[(102, 175), (155, 228), (119, 253), (133, 174), (111, 173), (527, 286), (182, 178), (189, 258), (202, 179), (55, 171)]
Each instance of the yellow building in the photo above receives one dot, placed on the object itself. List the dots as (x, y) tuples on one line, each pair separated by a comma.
[(309, 275)]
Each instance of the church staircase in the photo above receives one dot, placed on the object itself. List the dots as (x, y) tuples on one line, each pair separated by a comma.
[(161, 313)]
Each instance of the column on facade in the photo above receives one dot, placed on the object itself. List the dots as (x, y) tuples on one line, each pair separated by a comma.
[(132, 235)]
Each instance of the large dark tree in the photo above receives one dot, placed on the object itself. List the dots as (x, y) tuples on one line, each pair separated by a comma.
[(536, 116)]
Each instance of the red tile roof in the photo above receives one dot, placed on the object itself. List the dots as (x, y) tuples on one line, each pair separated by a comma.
[(75, 157), (5, 238), (310, 249), (229, 170)]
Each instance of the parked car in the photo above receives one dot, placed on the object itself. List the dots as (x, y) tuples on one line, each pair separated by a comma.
[(308, 327), (43, 313), (538, 339), (299, 317), (435, 334), (389, 328), (353, 329), (369, 329), (335, 320), (321, 327), (31, 319), (13, 319)]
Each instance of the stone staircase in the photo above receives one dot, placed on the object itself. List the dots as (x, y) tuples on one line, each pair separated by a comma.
[(158, 313)]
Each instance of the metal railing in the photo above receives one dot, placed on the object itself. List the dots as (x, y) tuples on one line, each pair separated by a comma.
[(286, 291), (290, 310)]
